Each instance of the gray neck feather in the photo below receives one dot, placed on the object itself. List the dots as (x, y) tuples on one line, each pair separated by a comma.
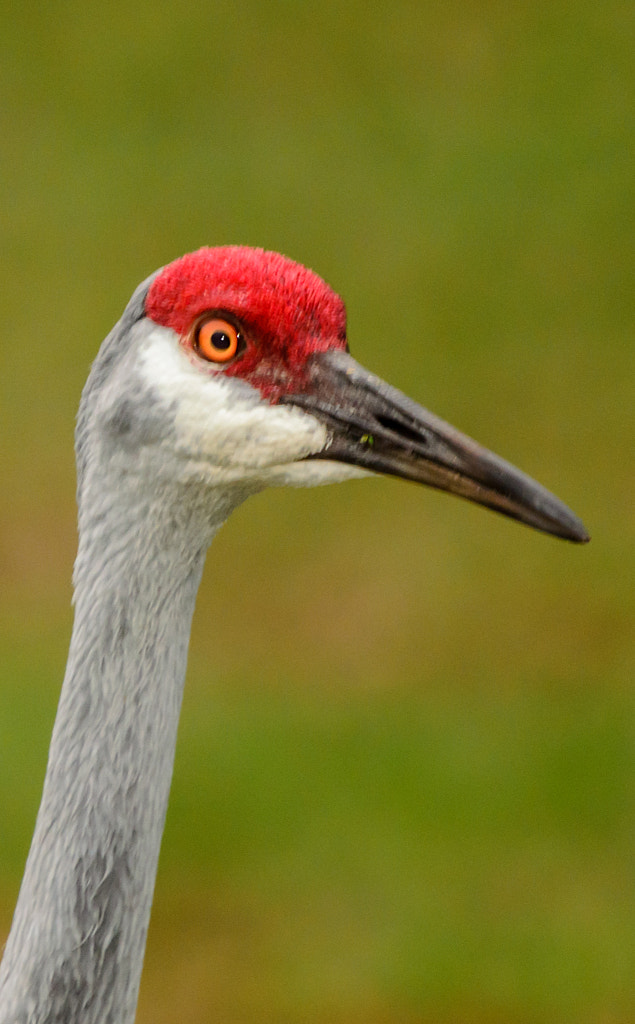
[(76, 947)]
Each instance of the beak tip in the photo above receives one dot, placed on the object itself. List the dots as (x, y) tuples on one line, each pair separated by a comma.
[(582, 537), (574, 529)]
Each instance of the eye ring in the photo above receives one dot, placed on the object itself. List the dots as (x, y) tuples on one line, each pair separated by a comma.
[(216, 339)]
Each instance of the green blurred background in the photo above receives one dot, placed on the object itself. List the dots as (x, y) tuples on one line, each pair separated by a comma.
[(404, 788)]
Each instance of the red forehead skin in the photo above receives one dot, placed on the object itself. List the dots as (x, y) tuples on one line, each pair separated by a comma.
[(287, 311)]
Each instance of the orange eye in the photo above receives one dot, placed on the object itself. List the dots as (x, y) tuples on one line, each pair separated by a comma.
[(216, 340)]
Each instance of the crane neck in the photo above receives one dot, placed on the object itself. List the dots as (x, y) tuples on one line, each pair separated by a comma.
[(76, 946)]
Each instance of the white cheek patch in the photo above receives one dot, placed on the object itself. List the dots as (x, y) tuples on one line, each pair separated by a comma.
[(223, 421)]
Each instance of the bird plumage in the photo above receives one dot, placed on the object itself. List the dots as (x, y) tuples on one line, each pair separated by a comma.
[(169, 441)]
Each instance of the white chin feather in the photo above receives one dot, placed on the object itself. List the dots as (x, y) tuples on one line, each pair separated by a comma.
[(313, 473)]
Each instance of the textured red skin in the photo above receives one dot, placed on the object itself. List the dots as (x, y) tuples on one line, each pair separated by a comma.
[(286, 312)]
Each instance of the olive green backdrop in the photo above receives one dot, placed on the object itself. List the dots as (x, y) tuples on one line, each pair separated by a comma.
[(405, 781)]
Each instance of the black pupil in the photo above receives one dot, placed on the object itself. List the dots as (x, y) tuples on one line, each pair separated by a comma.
[(221, 340)]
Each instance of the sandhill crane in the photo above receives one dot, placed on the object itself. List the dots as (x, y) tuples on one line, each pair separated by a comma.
[(228, 371)]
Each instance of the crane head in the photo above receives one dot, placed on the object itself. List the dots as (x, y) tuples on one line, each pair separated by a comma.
[(231, 367)]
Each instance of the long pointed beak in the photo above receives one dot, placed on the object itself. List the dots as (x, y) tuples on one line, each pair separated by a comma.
[(373, 425)]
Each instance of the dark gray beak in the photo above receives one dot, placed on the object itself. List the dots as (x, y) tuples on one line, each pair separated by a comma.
[(371, 424)]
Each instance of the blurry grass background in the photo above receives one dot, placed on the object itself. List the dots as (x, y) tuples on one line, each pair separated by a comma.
[(405, 780)]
